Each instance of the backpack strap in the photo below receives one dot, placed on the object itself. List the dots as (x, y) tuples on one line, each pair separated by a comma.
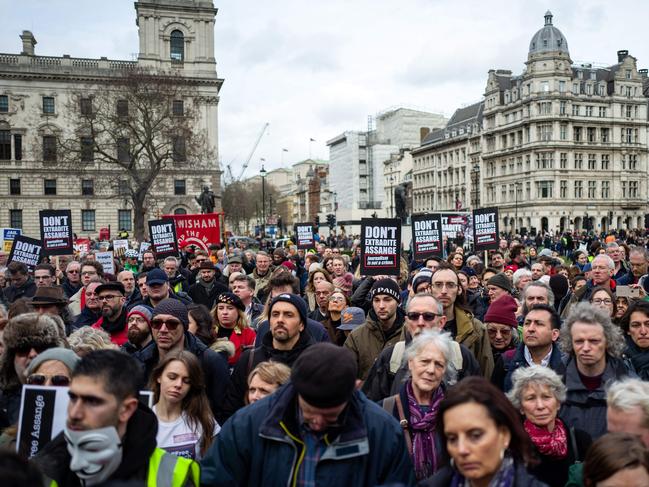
[(388, 404), (573, 442), (397, 356), (403, 422)]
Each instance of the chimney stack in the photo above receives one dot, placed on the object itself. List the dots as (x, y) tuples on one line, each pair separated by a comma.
[(29, 41), (643, 72), (621, 55)]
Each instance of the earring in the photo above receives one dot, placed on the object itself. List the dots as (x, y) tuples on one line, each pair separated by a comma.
[(502, 454), (452, 463)]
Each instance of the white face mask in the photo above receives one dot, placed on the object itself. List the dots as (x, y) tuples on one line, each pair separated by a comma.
[(96, 454)]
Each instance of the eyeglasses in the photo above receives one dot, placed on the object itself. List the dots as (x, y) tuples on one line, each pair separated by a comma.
[(89, 273), (427, 316), (24, 350), (494, 332), (602, 301), (441, 285), (171, 324), (110, 297), (56, 380), (336, 299), (72, 272)]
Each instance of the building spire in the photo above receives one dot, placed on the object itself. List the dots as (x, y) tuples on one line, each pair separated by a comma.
[(548, 18)]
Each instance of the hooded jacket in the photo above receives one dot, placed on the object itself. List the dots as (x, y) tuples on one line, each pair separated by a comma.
[(214, 365), (261, 445), (472, 333), (138, 445), (249, 360), (368, 340)]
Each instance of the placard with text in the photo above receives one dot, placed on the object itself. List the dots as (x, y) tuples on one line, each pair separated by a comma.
[(56, 232), (427, 236), (163, 237), (26, 250), (380, 246), (485, 228), (304, 233)]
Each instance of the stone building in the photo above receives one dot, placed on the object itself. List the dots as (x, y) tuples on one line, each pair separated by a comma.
[(35, 92), (562, 146)]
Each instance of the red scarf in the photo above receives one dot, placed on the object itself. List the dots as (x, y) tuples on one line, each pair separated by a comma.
[(552, 444)]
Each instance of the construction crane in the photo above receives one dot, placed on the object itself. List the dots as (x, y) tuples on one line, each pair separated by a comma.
[(252, 152)]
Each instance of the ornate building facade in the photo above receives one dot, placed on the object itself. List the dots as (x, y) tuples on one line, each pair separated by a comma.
[(562, 146), (35, 92)]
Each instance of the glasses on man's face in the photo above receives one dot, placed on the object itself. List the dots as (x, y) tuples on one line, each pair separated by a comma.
[(89, 273), (23, 350), (426, 315), (606, 301), (108, 297), (171, 324), (55, 380), (73, 271)]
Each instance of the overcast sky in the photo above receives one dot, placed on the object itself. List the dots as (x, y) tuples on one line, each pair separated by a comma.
[(315, 69)]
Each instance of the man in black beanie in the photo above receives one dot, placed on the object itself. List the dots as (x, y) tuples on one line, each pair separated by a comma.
[(382, 327), (315, 430), (169, 328)]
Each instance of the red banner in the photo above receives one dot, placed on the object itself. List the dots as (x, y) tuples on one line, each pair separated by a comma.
[(199, 230)]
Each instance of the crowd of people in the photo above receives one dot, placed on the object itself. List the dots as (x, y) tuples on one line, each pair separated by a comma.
[(288, 367)]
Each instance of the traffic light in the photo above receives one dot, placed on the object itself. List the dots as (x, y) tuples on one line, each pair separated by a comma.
[(317, 221), (331, 220)]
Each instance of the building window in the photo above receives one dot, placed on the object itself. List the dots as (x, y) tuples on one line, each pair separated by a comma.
[(178, 108), (124, 221), (633, 189), (606, 159), (589, 110), (592, 189), (545, 189), (14, 186), (562, 86), (87, 149), (179, 153), (122, 108), (623, 189), (577, 134), (633, 162), (180, 188), (177, 46), (592, 162), (49, 148), (18, 147), (604, 135), (16, 218), (48, 104), (4, 103), (605, 189), (579, 189), (602, 112), (123, 188), (88, 220), (49, 187), (180, 211), (563, 132), (563, 189), (579, 159), (562, 108), (563, 160), (85, 106), (87, 187), (124, 150), (590, 134), (575, 110), (5, 145)]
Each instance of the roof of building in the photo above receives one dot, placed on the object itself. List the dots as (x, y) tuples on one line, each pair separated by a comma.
[(548, 39), (461, 123)]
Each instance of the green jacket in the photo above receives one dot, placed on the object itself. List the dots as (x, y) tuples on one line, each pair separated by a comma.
[(576, 475)]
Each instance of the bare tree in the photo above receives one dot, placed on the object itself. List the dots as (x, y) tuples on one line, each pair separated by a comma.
[(242, 204), (129, 130)]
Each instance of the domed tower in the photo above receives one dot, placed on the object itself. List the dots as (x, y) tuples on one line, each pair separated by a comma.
[(548, 50)]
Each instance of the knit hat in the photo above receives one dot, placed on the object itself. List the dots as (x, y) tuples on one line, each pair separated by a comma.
[(173, 307), (296, 301), (232, 299), (289, 265), (344, 282), (143, 310), (423, 276), (502, 281), (324, 375), (63, 355), (386, 286), (351, 318), (502, 311)]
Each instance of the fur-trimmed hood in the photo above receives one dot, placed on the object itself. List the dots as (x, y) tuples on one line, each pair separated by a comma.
[(41, 331)]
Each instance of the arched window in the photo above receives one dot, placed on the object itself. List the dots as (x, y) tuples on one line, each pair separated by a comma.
[(180, 211), (177, 46)]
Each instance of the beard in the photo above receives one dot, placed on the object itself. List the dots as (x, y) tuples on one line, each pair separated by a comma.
[(136, 336)]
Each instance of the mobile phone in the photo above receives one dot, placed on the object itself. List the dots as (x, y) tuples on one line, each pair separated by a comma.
[(627, 292)]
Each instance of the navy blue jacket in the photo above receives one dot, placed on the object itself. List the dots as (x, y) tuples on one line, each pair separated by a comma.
[(261, 445), (317, 331), (510, 360)]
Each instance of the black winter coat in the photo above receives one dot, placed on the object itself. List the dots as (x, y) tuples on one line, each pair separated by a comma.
[(199, 293), (27, 290), (444, 477)]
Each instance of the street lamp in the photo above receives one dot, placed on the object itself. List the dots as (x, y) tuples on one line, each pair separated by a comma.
[(391, 198), (262, 173), (516, 206)]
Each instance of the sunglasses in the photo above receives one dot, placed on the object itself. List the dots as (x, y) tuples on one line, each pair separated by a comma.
[(428, 316), (171, 324), (24, 350), (56, 380)]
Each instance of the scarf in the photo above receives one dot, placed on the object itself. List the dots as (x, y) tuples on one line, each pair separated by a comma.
[(425, 456), (639, 358), (504, 477), (551, 444)]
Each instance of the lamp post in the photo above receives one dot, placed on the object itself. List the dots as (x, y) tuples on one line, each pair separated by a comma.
[(391, 197), (516, 206), (262, 173)]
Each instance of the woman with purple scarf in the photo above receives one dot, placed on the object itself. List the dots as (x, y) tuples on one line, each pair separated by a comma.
[(417, 404)]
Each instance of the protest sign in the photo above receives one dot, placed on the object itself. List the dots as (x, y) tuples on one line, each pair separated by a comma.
[(43, 411), (454, 224), (106, 261), (380, 246), (82, 245), (144, 246), (426, 236), (485, 228), (8, 236), (56, 232), (304, 232), (119, 247), (199, 230), (163, 237), (26, 250)]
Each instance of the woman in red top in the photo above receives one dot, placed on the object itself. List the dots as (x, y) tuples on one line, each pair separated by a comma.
[(231, 323)]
